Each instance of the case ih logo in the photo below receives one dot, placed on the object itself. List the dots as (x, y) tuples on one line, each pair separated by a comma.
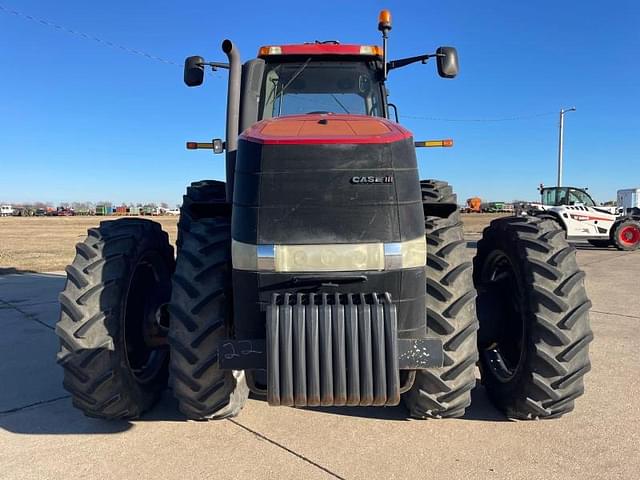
[(372, 179)]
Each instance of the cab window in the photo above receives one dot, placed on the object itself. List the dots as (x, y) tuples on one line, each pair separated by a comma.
[(578, 196), (318, 86)]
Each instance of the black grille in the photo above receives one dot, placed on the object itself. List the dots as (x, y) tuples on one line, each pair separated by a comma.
[(332, 349)]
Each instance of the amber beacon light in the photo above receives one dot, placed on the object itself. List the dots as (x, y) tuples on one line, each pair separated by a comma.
[(384, 20)]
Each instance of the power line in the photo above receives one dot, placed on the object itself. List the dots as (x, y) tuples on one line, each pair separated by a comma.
[(88, 36), (149, 56), (482, 120)]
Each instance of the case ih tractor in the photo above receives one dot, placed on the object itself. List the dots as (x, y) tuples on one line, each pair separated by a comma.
[(323, 271)]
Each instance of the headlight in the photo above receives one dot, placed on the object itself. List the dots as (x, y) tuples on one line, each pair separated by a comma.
[(329, 258)]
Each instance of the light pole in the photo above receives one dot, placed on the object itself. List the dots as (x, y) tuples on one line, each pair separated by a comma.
[(561, 142)]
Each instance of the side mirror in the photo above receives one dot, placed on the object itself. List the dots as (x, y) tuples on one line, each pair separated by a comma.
[(194, 71), (447, 59)]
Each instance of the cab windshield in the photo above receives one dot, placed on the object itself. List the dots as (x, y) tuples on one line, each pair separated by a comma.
[(315, 86), (566, 196)]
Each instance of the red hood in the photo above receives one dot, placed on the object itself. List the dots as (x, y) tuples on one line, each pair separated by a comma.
[(325, 128)]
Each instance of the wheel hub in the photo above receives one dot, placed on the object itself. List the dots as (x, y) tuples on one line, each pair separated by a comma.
[(144, 329), (630, 235), (500, 302)]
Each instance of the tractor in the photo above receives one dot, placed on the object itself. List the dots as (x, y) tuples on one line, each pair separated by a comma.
[(323, 271), (582, 219)]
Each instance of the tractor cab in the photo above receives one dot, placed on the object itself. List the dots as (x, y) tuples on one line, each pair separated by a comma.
[(321, 78), (557, 196), (310, 78)]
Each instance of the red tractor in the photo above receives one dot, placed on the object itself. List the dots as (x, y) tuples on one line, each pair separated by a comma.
[(323, 271)]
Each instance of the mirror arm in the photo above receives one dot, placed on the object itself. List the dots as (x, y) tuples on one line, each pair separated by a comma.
[(402, 62), (215, 65), (395, 110)]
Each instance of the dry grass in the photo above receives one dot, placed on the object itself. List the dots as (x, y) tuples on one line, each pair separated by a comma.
[(476, 222), (46, 244)]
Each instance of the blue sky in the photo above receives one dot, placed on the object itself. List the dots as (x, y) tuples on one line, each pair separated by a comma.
[(83, 121)]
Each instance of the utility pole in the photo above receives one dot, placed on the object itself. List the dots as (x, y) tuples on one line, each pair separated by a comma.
[(561, 142)]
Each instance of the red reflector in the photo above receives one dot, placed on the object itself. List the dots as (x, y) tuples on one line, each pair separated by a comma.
[(447, 143), (192, 145)]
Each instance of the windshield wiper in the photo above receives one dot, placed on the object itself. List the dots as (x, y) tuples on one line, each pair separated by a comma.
[(339, 103), (286, 85)]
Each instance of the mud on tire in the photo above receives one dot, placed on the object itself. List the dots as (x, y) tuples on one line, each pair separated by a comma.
[(533, 312)]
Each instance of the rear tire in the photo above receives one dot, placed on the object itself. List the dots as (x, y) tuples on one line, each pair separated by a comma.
[(446, 391), (197, 203), (111, 303), (201, 316), (437, 191), (534, 324), (626, 235)]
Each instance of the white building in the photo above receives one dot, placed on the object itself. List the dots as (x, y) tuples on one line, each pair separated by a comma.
[(6, 210), (628, 199)]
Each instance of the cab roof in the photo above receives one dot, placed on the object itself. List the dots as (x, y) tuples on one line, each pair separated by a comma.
[(326, 48), (325, 128)]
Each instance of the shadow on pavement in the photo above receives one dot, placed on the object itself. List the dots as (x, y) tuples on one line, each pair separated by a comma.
[(588, 246), (61, 418), (14, 271), (32, 400), (481, 409)]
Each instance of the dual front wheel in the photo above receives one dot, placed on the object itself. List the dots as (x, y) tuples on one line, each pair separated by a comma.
[(124, 286), (114, 329), (530, 306)]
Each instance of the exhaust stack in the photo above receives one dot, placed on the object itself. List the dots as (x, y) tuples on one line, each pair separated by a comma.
[(233, 112)]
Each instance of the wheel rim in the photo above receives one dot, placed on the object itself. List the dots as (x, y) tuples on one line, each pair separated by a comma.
[(500, 301), (629, 235), (149, 289)]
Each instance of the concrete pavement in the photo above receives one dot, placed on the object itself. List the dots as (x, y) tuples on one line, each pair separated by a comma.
[(42, 436)]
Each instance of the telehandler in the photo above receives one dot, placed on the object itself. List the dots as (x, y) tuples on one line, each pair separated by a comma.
[(582, 219)]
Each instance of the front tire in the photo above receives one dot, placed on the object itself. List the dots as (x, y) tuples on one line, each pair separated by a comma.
[(111, 322), (533, 311), (201, 315), (446, 391)]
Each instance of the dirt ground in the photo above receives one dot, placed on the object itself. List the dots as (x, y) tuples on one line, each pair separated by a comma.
[(46, 244)]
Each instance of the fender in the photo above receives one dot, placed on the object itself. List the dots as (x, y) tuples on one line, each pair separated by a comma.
[(550, 213), (442, 210)]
